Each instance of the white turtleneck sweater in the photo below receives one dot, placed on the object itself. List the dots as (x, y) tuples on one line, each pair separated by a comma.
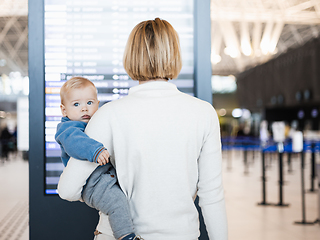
[(165, 146)]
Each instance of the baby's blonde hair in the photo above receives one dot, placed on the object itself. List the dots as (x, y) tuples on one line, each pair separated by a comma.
[(152, 51), (73, 83)]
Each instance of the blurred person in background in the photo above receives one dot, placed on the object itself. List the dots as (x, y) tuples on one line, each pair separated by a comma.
[(6, 142)]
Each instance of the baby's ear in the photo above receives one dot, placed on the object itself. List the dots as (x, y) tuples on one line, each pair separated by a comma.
[(63, 110)]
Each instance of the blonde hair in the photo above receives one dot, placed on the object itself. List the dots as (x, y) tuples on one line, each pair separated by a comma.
[(152, 51), (73, 83)]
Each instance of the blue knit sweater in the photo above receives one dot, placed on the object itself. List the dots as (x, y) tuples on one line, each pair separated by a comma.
[(75, 143)]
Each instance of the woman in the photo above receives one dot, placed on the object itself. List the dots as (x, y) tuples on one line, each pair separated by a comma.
[(164, 144)]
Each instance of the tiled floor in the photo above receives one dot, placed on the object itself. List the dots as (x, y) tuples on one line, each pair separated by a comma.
[(247, 220), (14, 199)]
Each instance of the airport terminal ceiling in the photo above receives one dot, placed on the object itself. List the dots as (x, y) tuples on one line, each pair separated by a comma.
[(245, 33)]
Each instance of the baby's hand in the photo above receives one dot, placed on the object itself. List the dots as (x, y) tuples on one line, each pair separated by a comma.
[(103, 158)]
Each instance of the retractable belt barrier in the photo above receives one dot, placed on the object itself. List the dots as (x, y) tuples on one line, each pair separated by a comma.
[(253, 144), (241, 143)]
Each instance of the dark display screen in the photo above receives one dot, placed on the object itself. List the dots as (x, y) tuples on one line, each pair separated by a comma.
[(87, 38)]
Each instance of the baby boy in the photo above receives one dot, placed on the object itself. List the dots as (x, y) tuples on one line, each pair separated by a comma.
[(78, 104)]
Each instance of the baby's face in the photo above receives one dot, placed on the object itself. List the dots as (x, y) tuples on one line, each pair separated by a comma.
[(80, 104)]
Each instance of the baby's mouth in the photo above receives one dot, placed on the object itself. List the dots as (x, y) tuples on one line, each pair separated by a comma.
[(86, 117)]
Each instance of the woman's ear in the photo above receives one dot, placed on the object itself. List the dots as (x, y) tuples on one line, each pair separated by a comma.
[(63, 110)]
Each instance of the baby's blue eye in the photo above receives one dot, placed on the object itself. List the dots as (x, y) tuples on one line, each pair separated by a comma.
[(90, 102), (76, 104)]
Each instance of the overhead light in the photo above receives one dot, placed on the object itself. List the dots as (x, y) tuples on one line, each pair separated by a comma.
[(275, 51), (232, 52), (3, 62), (264, 48), (301, 114), (246, 48), (246, 114), (222, 112), (307, 94), (314, 113), (215, 58), (236, 113), (2, 114)]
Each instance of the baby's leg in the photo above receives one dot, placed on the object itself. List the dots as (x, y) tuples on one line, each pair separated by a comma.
[(103, 193)]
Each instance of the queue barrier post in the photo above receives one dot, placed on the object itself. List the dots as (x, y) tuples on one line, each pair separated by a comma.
[(318, 171), (289, 162), (264, 180), (281, 182), (303, 205), (313, 168)]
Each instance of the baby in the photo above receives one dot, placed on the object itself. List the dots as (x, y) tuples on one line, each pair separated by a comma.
[(78, 104)]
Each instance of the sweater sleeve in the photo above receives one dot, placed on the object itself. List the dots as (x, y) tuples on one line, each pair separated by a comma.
[(76, 143), (210, 188)]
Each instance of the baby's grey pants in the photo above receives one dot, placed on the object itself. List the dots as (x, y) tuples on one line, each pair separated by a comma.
[(103, 193)]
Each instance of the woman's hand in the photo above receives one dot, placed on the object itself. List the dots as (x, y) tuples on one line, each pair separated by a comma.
[(103, 158)]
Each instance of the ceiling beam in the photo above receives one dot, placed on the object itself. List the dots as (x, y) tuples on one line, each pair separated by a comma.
[(245, 38), (23, 36), (256, 38), (7, 27), (316, 7), (216, 41), (307, 18), (299, 7), (232, 43), (315, 31), (230, 37), (265, 41), (296, 34), (11, 64), (275, 36), (9, 8)]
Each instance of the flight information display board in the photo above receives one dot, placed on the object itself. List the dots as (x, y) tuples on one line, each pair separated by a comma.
[(87, 38)]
